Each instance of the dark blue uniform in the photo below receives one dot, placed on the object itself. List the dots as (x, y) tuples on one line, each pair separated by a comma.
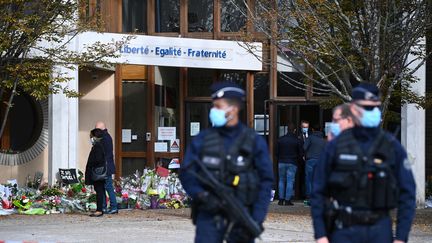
[(381, 231), (211, 227)]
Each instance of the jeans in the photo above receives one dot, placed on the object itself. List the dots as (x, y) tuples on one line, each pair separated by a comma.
[(287, 174), (112, 196), (310, 166)]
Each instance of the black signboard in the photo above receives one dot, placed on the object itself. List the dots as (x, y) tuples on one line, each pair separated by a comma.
[(68, 176)]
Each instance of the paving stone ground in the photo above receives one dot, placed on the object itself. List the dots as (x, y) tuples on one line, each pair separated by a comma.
[(284, 224)]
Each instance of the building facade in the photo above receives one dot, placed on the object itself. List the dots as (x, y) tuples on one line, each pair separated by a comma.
[(153, 111)]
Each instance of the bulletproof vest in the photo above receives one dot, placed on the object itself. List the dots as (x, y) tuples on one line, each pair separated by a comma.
[(235, 168), (364, 180)]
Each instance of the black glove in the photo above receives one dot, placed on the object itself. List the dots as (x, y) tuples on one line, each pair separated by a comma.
[(208, 202)]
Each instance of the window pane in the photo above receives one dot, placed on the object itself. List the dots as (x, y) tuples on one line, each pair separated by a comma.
[(233, 15), (200, 81), (134, 14), (290, 84), (134, 120), (238, 77), (200, 15), (197, 119), (261, 91), (261, 94), (24, 123), (167, 113), (167, 15)]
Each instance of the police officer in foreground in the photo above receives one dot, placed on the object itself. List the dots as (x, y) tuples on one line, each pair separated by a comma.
[(362, 175), (238, 158)]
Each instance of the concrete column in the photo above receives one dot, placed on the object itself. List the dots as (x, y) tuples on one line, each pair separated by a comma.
[(63, 123), (414, 136), (63, 128)]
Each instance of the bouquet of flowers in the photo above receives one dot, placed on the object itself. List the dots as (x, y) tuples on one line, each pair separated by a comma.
[(50, 192), (54, 202), (22, 203)]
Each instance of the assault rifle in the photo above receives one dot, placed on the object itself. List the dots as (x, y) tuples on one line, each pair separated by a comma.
[(235, 210)]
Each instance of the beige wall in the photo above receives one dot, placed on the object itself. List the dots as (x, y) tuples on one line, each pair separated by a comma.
[(96, 104), (20, 172)]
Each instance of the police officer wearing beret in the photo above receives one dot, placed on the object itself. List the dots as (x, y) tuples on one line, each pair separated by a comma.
[(238, 157), (362, 175)]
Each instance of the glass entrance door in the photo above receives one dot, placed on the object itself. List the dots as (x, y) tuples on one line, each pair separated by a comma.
[(295, 113), (291, 113), (134, 126), (197, 119)]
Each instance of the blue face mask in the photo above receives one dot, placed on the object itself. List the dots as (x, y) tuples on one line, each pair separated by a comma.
[(217, 117), (305, 129), (371, 118), (335, 129)]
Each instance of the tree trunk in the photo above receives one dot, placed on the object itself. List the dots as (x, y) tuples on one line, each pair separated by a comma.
[(8, 106)]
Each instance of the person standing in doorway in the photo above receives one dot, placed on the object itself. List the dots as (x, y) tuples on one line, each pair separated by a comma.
[(289, 151), (109, 157), (313, 147), (304, 130)]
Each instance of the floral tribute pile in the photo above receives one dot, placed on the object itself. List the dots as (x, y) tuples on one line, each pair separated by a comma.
[(149, 190)]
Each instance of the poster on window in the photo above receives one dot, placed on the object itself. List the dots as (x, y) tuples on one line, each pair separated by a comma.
[(175, 146), (126, 135), (161, 147), (194, 128), (166, 133)]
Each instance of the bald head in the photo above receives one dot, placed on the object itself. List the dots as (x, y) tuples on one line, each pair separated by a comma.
[(100, 125)]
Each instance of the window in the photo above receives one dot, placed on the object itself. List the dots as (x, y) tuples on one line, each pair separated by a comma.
[(134, 16), (200, 15), (167, 113), (199, 82), (24, 125), (238, 77), (290, 84), (134, 120), (167, 15), (233, 15), (261, 92)]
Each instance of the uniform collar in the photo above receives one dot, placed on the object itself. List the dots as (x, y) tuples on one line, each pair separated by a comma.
[(225, 130)]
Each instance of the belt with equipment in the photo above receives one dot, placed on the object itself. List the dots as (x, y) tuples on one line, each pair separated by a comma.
[(347, 217)]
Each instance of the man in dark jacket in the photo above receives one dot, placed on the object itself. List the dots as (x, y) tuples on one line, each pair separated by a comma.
[(313, 146), (289, 150), (109, 158)]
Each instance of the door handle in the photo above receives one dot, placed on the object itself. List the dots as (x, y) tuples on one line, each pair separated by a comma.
[(148, 137)]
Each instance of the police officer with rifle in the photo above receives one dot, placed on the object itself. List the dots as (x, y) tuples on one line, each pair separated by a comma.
[(361, 176), (228, 173)]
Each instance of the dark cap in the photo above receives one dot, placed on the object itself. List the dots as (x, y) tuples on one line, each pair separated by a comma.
[(366, 91), (227, 90)]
